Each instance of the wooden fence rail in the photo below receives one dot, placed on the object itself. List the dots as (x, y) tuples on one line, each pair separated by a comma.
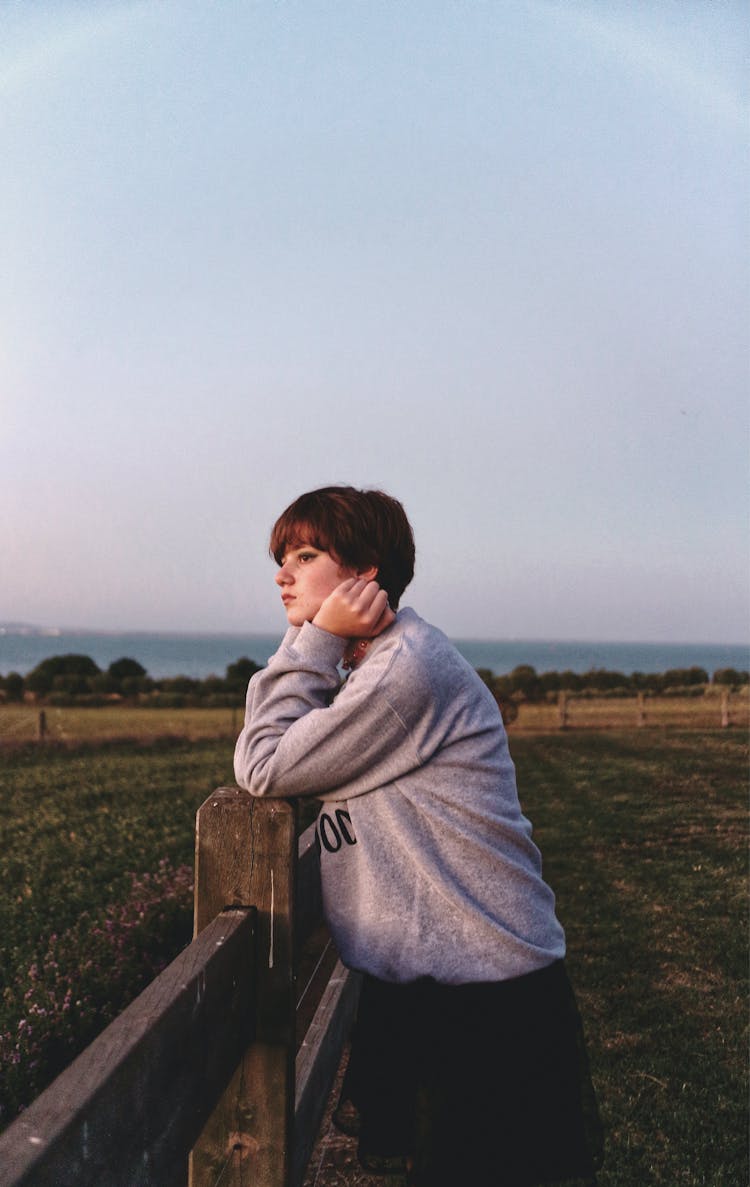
[(203, 1079)]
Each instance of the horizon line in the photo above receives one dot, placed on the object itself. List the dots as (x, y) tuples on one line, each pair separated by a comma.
[(31, 630)]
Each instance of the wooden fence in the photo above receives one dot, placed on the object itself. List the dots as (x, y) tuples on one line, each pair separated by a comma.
[(571, 711), (218, 1074)]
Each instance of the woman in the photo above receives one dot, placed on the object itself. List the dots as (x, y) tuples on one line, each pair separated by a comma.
[(467, 1064)]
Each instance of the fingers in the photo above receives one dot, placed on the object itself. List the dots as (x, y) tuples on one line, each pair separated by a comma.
[(365, 601), (364, 594), (387, 617), (355, 609), (371, 603)]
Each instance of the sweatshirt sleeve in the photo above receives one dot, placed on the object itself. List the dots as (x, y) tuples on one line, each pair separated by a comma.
[(295, 743)]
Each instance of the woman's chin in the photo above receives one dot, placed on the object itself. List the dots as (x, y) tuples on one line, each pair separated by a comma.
[(295, 617)]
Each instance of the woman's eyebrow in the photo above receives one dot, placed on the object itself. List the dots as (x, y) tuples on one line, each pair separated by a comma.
[(296, 548)]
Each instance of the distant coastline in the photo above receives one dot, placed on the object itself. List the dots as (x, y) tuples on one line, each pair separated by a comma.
[(165, 654), (25, 629)]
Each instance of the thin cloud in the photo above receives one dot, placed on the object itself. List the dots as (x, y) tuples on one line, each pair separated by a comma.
[(25, 65), (638, 45)]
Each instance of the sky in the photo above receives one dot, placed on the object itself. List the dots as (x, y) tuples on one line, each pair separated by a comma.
[(490, 257)]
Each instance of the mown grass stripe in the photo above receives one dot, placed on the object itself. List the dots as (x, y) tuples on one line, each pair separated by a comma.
[(641, 845)]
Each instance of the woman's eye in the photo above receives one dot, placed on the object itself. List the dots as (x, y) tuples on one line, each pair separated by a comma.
[(307, 556)]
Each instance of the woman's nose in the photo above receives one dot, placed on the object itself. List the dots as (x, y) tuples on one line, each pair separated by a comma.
[(282, 577)]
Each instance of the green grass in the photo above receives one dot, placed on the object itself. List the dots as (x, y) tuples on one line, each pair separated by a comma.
[(643, 835), (75, 823), (644, 842), (96, 855)]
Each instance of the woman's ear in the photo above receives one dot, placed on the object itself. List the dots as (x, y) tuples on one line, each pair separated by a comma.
[(368, 574)]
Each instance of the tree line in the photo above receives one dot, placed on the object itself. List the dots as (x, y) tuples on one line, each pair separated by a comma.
[(524, 683), (78, 679)]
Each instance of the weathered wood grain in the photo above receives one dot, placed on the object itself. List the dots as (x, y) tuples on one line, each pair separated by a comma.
[(246, 853)]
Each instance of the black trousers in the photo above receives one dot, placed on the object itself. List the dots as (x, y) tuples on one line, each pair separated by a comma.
[(483, 1083)]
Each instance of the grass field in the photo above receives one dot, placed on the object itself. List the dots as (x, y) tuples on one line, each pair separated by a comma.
[(644, 839), (96, 854), (643, 834), (75, 823), (20, 723)]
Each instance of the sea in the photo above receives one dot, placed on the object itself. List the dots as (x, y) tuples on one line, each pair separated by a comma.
[(201, 655)]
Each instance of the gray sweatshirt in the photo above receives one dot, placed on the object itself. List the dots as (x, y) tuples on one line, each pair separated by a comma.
[(427, 862)]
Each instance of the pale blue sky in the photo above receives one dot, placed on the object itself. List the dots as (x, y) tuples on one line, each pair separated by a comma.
[(492, 257)]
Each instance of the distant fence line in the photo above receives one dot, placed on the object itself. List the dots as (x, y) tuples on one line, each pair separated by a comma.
[(571, 710), (566, 710)]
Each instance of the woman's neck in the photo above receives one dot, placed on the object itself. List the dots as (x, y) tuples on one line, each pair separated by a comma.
[(356, 650)]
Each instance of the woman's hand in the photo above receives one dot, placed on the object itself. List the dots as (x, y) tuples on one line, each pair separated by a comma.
[(356, 609)]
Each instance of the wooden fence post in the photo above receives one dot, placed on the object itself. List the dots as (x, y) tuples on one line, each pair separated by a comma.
[(245, 855), (641, 710), (42, 726), (562, 709), (725, 719)]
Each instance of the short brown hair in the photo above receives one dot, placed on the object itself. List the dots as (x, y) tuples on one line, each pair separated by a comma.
[(360, 528)]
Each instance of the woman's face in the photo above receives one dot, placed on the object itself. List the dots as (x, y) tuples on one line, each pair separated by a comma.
[(307, 575)]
